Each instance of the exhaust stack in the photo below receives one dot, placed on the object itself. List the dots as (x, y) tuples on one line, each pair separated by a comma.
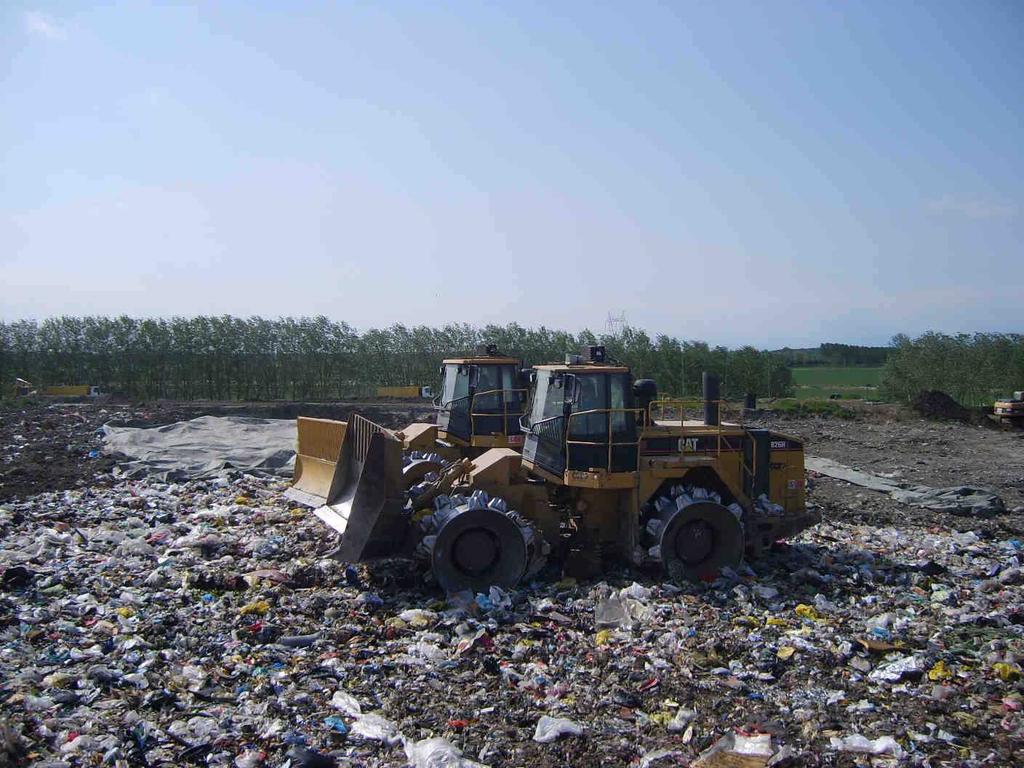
[(646, 392)]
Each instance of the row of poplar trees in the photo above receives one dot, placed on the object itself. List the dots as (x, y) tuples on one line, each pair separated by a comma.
[(314, 358), (973, 368)]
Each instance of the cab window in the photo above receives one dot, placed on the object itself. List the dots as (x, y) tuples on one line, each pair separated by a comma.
[(620, 393), (548, 397), (487, 382), (456, 383), (511, 386), (591, 395)]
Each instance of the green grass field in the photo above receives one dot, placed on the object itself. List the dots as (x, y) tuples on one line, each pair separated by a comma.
[(851, 383)]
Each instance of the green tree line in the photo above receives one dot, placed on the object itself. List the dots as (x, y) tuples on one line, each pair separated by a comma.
[(314, 358), (972, 368)]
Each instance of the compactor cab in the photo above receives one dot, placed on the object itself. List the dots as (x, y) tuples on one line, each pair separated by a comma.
[(482, 400), (583, 418), (23, 388)]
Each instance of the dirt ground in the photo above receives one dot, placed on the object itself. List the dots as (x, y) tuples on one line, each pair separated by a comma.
[(148, 623), (893, 441), (53, 446)]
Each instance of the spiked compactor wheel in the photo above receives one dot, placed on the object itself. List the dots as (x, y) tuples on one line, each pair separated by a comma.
[(476, 545), (416, 466), (698, 540)]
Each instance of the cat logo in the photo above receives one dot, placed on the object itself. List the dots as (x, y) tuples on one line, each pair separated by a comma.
[(688, 444)]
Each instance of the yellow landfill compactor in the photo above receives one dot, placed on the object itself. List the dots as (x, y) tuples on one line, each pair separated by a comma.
[(1011, 409), (607, 472)]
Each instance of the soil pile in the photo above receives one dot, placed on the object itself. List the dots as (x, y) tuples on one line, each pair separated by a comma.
[(934, 404)]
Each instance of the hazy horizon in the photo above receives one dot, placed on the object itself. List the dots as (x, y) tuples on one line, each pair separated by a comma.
[(737, 174)]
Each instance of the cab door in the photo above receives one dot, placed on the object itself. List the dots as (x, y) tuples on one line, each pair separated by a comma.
[(602, 428), (544, 444), (453, 414)]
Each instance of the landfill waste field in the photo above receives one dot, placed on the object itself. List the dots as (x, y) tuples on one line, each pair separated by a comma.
[(146, 621)]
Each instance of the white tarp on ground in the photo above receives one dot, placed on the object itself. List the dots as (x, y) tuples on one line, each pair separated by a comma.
[(205, 447), (958, 500)]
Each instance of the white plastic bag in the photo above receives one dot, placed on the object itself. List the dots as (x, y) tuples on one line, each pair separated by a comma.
[(376, 728), (551, 728), (437, 753)]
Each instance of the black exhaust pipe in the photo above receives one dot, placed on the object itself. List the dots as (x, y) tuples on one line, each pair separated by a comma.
[(712, 394), (646, 392)]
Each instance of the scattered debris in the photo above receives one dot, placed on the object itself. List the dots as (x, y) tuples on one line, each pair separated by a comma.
[(202, 622)]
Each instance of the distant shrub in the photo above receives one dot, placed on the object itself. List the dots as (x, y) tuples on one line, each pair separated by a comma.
[(794, 407), (973, 368)]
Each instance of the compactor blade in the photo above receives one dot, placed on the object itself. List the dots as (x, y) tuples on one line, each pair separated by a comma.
[(316, 460), (365, 493)]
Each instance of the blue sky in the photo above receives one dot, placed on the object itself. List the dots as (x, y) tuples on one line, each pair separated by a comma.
[(784, 173)]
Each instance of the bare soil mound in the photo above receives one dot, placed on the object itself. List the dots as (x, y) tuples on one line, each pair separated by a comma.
[(935, 404)]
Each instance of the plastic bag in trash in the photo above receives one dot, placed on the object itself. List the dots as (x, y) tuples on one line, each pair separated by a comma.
[(883, 745), (894, 671), (551, 728), (635, 591), (682, 718), (735, 750), (376, 728), (417, 618), (300, 757), (437, 753), (346, 702), (611, 612)]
